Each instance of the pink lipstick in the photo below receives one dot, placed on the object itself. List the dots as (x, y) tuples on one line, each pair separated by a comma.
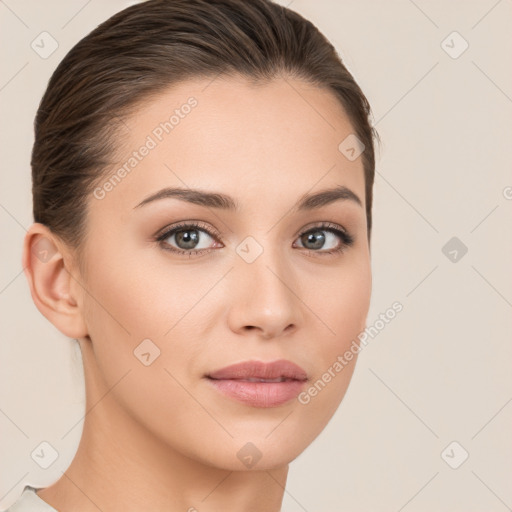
[(260, 384)]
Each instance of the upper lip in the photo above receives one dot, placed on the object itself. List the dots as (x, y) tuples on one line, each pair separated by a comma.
[(261, 370)]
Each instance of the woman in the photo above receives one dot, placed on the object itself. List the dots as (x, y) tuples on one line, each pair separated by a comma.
[(202, 186)]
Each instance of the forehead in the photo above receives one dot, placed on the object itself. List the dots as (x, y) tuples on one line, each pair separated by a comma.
[(264, 143)]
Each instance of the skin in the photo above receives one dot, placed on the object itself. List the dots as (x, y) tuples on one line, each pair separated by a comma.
[(158, 437)]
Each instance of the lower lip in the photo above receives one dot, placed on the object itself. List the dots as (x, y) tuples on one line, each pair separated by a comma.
[(259, 394)]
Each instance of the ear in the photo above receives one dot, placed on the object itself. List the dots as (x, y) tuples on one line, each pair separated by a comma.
[(52, 280)]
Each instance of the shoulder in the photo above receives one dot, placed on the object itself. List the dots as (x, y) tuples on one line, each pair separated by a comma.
[(29, 501)]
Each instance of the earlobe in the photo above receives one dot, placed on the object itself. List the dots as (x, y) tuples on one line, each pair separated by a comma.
[(50, 281)]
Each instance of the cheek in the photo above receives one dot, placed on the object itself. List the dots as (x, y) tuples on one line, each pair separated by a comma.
[(353, 301), (120, 314), (134, 299), (343, 307), (131, 301), (344, 303), (130, 310)]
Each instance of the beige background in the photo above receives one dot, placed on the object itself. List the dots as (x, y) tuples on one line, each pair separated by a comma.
[(440, 371)]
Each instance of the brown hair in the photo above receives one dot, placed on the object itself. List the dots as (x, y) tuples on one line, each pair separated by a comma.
[(147, 48)]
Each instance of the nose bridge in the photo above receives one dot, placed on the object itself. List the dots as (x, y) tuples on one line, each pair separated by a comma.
[(264, 295)]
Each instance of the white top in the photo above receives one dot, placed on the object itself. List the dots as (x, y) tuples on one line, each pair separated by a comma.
[(29, 501)]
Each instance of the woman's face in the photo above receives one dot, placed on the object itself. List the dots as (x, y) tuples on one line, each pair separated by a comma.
[(247, 284)]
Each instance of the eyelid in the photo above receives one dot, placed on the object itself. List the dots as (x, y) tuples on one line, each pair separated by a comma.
[(322, 225), (186, 224)]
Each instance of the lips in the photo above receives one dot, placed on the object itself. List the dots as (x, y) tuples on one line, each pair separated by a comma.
[(259, 384), (259, 371)]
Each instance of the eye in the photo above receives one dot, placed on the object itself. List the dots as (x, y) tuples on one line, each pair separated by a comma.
[(189, 238), (315, 239), (192, 238)]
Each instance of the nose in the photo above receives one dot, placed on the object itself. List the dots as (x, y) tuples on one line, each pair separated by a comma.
[(265, 298)]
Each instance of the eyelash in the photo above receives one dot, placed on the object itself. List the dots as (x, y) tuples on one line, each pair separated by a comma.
[(346, 239)]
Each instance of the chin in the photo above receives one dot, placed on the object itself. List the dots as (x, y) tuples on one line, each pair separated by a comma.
[(258, 454)]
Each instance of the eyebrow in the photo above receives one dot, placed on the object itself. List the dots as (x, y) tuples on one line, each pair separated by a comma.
[(222, 201)]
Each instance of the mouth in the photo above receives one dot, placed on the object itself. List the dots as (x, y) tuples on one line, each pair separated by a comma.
[(260, 384), (254, 379), (260, 371)]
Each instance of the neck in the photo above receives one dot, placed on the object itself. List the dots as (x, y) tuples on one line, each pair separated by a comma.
[(120, 465)]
